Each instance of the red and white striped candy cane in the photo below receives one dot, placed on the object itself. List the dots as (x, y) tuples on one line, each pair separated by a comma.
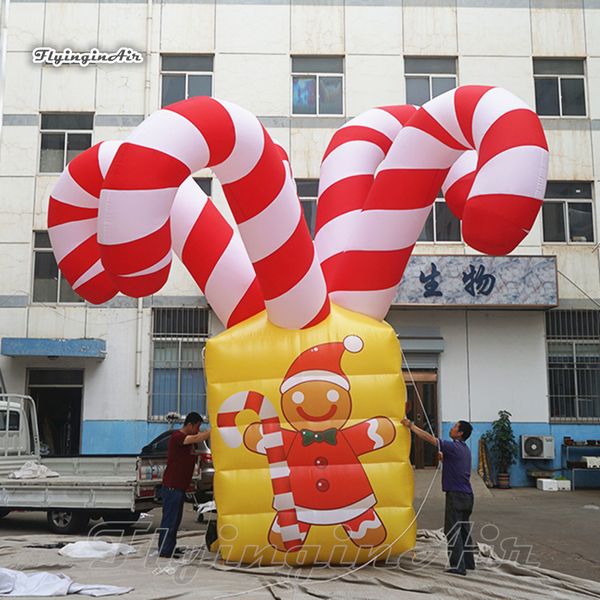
[(459, 181), (207, 245), (133, 228), (346, 176), (272, 442), (503, 202), (73, 224)]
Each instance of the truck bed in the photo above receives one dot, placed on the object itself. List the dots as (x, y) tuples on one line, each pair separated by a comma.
[(93, 483)]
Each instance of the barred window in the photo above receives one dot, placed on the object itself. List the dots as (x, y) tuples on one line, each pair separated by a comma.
[(177, 371), (574, 364)]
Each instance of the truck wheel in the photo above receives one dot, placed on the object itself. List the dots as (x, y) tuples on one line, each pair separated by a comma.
[(3, 512), (67, 521), (121, 516)]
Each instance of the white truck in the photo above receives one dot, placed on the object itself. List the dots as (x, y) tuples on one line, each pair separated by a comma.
[(112, 487)]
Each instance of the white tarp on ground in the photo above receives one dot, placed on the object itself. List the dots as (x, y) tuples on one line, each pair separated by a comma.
[(42, 584), (95, 549), (32, 470), (200, 574)]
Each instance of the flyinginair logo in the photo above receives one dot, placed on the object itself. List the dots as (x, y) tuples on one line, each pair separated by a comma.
[(56, 58)]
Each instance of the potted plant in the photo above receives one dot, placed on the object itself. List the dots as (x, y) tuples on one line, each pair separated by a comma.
[(503, 448)]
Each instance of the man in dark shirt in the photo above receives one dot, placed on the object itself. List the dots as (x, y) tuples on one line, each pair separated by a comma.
[(177, 478), (456, 482)]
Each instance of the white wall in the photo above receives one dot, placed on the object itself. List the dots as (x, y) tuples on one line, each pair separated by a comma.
[(507, 366), (492, 360), (252, 43)]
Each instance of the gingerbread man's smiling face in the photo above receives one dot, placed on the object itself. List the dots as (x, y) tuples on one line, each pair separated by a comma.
[(316, 405)]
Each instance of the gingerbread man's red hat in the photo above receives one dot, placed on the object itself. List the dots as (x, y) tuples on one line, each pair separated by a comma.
[(322, 363)]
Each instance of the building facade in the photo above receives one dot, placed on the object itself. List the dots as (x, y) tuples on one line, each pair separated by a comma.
[(479, 335)]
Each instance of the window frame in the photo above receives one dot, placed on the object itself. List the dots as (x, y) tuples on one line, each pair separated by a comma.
[(60, 278), (180, 339), (183, 72), (565, 204), (306, 199), (66, 133), (429, 75), (316, 74), (559, 77), (432, 214)]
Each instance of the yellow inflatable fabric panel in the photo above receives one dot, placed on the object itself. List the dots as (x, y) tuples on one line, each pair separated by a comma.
[(312, 462)]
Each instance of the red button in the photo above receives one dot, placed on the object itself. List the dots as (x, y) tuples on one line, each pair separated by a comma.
[(321, 462), (322, 485)]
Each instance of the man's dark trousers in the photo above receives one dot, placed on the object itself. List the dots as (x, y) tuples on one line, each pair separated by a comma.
[(171, 519), (457, 527)]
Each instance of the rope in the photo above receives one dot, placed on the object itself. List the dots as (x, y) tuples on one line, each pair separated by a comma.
[(405, 362), (579, 288)]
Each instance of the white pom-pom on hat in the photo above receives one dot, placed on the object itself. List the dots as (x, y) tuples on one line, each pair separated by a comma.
[(353, 343)]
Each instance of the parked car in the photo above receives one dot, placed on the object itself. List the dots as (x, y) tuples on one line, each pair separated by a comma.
[(159, 446)]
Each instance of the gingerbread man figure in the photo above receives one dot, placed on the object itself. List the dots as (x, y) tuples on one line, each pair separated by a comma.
[(327, 479)]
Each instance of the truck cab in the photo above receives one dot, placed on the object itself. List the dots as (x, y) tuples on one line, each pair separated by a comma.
[(19, 438), (116, 488)]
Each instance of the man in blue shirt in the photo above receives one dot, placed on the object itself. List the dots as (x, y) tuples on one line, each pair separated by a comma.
[(456, 482)]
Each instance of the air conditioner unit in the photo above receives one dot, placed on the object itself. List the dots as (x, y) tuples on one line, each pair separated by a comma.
[(537, 446)]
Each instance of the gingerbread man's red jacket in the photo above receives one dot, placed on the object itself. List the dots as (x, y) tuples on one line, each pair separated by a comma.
[(329, 484)]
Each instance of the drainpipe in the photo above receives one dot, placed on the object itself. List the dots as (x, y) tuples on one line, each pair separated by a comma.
[(140, 313)]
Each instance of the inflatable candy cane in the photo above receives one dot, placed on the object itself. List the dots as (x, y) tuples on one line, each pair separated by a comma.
[(133, 228), (503, 201), (224, 273), (272, 443), (347, 172)]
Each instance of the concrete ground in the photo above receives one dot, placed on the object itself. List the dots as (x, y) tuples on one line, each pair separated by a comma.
[(555, 530)]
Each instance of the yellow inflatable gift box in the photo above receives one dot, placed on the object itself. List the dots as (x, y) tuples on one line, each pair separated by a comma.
[(312, 463)]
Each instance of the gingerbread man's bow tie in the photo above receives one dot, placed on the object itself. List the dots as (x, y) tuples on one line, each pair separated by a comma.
[(308, 436)]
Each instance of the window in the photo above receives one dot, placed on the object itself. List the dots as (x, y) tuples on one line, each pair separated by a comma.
[(573, 364), (559, 87), (441, 224), (427, 78), (64, 136), (177, 380), (205, 184), (185, 76), (567, 213), (48, 283), (308, 190), (317, 85)]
